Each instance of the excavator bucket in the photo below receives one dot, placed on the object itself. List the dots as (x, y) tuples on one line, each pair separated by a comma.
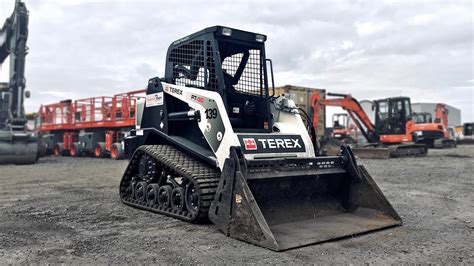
[(15, 150), (288, 203)]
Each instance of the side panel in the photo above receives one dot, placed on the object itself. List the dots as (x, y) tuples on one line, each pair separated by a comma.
[(155, 113), (292, 124), (88, 140), (214, 122)]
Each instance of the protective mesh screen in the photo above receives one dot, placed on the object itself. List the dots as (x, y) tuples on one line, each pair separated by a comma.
[(252, 79), (193, 65)]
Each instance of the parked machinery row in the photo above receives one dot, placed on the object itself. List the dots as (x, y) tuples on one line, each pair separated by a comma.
[(392, 135), (92, 126)]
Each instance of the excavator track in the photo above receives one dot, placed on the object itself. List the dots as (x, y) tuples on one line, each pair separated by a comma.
[(444, 143), (164, 180), (408, 150), (391, 151)]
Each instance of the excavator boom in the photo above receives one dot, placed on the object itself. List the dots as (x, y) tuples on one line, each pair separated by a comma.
[(17, 144)]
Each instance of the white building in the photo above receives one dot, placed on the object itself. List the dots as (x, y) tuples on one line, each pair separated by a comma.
[(367, 106), (454, 114)]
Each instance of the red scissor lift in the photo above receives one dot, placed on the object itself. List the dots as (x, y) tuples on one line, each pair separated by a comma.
[(88, 126)]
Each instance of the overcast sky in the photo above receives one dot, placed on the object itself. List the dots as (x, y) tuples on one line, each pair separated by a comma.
[(371, 49)]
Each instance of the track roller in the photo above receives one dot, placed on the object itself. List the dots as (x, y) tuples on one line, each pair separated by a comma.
[(164, 198), (152, 193), (177, 199), (140, 191)]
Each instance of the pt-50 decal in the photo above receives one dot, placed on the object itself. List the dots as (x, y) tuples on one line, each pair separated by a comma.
[(215, 129)]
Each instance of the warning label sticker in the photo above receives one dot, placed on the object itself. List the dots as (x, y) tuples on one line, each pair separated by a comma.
[(154, 99)]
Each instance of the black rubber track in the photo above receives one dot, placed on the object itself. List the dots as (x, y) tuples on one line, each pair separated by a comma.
[(204, 178), (408, 150)]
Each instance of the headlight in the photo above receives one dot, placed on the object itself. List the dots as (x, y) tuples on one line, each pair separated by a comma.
[(226, 31), (260, 38)]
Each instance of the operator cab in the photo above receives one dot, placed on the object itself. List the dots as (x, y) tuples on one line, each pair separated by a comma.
[(391, 115), (422, 118), (468, 129), (340, 121), (228, 61)]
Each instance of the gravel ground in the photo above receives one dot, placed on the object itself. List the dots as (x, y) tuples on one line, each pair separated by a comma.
[(65, 210)]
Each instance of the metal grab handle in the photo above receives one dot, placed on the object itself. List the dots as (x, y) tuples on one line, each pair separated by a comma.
[(271, 72)]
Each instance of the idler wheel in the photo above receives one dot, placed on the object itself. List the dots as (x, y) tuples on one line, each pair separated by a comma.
[(192, 199), (147, 167)]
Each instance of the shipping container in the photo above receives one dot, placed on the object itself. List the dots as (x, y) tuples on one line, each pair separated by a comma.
[(301, 96)]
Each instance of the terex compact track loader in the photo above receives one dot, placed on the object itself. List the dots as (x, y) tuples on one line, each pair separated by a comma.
[(213, 144)]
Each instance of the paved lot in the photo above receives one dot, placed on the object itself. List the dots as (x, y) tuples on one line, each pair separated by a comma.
[(68, 210)]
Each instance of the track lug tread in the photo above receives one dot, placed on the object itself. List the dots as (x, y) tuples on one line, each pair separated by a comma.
[(204, 178)]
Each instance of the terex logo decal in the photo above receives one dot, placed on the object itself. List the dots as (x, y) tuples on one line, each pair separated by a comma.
[(250, 144), (173, 90), (271, 143), (280, 143)]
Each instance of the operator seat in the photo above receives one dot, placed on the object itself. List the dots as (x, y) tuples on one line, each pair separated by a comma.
[(242, 112)]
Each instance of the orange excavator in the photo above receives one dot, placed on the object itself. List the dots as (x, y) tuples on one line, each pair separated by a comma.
[(393, 132), (434, 134), (341, 130)]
